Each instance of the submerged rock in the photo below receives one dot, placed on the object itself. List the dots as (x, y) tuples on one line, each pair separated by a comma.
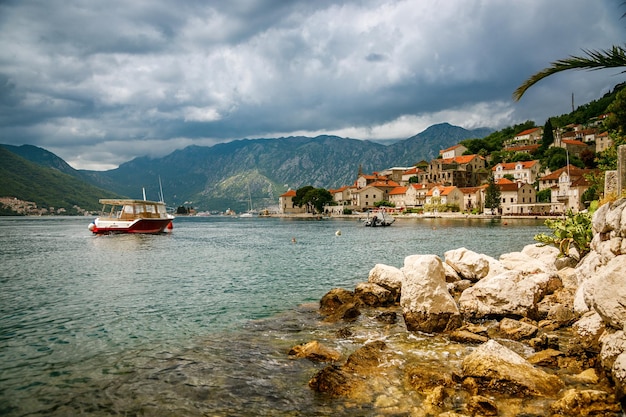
[(340, 304), (314, 351), (585, 403), (374, 295), (350, 380)]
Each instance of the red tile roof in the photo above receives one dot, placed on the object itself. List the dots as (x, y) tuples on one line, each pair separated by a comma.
[(573, 142), (290, 193), (398, 191), (573, 172), (463, 159), (528, 131), (510, 166)]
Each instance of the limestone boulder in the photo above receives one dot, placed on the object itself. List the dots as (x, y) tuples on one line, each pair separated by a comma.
[(613, 218), (619, 375), (509, 294), (496, 368), (588, 330), (527, 264), (388, 277), (607, 292), (613, 345), (374, 295), (568, 278), (451, 275), (427, 305), (598, 221), (469, 264)]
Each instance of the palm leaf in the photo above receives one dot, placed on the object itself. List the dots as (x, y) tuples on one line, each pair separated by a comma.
[(594, 60)]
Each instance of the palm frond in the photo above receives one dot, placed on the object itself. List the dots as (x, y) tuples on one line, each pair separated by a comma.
[(594, 60)]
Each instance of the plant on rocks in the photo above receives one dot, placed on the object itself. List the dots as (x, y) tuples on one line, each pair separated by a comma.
[(571, 231)]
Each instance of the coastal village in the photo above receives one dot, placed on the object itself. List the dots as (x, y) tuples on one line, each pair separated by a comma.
[(457, 181)]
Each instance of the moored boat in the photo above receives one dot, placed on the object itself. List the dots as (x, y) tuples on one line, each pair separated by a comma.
[(132, 216), (378, 218)]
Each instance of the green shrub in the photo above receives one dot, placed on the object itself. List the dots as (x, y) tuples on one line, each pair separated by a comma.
[(573, 230)]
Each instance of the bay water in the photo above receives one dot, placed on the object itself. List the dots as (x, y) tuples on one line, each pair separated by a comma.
[(197, 321)]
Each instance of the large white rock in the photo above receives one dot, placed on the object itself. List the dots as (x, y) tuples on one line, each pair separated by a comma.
[(511, 293), (427, 305), (469, 264), (598, 221), (386, 276), (607, 292), (619, 375), (545, 253), (613, 345), (589, 329), (523, 262), (498, 368)]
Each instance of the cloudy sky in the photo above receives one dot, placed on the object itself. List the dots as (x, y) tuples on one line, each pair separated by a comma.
[(101, 82)]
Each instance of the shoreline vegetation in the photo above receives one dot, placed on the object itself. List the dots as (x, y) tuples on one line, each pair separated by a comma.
[(531, 333)]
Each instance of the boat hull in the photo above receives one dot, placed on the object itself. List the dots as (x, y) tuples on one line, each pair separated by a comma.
[(148, 226)]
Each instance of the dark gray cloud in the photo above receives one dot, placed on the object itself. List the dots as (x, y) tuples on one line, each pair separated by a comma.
[(99, 83)]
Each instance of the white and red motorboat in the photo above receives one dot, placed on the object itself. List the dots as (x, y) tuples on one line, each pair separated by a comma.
[(132, 216)]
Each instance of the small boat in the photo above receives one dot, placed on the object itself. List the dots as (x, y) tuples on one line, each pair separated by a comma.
[(132, 216), (377, 218), (250, 213)]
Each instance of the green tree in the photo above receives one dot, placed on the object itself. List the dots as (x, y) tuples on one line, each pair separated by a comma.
[(313, 198), (555, 158), (616, 120), (298, 200), (492, 195), (544, 196), (548, 136)]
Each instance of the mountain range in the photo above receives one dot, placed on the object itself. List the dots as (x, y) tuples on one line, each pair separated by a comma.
[(232, 175)]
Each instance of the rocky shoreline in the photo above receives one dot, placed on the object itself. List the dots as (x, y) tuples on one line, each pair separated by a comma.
[(530, 333)]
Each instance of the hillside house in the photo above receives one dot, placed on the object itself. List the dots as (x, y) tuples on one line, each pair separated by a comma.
[(410, 173), (573, 147), (516, 197), (395, 173), (603, 141), (473, 198), (398, 197), (365, 198), (529, 149), (453, 151), (460, 171), (522, 171), (286, 204), (409, 196), (444, 195), (530, 136), (364, 180), (342, 198), (567, 186)]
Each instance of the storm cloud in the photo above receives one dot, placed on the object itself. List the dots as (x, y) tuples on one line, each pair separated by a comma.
[(100, 83)]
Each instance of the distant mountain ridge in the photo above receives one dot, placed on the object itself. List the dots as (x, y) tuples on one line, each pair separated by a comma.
[(47, 187), (219, 177)]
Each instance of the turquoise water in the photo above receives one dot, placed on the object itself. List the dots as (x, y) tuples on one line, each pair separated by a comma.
[(103, 325)]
